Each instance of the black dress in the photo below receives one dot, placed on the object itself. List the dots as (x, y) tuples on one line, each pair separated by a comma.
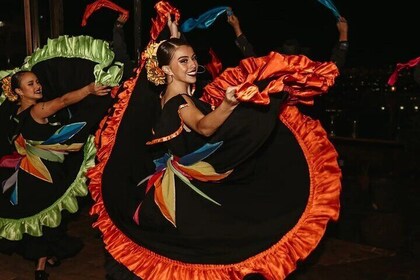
[(38, 202), (253, 211), (255, 198), (35, 211)]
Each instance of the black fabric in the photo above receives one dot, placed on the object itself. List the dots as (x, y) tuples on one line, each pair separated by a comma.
[(7, 110), (60, 75), (131, 159), (120, 49), (261, 201), (54, 242), (34, 194), (57, 77)]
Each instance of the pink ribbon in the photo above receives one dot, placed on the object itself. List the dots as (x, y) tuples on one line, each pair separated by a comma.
[(10, 161)]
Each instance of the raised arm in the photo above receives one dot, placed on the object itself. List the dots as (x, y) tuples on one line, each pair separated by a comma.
[(42, 110), (340, 50), (120, 46), (173, 27), (241, 41), (206, 125)]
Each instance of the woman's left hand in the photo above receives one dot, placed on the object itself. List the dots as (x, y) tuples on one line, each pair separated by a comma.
[(230, 96), (98, 89), (173, 27)]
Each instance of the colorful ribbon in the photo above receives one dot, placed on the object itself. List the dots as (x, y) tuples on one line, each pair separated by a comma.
[(29, 154), (204, 20), (330, 5), (185, 168), (394, 76), (11, 161), (91, 8)]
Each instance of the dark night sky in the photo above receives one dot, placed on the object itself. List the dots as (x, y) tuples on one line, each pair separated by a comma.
[(379, 34)]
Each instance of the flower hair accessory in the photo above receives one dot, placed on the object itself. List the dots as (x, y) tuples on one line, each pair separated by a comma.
[(154, 73), (7, 88)]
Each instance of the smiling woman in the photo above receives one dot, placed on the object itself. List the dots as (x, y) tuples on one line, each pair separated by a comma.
[(228, 185), (54, 103)]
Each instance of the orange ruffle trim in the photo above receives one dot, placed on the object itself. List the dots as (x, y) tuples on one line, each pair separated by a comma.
[(279, 260)]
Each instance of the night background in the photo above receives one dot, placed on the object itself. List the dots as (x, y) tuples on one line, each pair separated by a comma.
[(380, 32), (374, 127)]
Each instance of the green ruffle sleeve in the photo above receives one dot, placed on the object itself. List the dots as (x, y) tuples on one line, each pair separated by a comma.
[(107, 71)]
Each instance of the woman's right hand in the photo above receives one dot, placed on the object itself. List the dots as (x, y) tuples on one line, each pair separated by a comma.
[(97, 89)]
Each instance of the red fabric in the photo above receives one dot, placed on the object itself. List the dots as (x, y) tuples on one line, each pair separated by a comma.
[(394, 76), (303, 79), (215, 65), (10, 161), (300, 76), (91, 8), (162, 9)]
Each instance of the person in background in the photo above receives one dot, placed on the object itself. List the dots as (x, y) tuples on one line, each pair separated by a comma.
[(222, 188), (241, 41), (292, 46), (341, 47), (119, 46), (338, 53)]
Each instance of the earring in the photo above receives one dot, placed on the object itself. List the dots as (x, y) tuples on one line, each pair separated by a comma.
[(201, 69)]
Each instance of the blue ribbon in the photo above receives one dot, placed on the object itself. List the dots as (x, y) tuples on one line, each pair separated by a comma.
[(204, 20), (330, 5), (64, 133), (201, 153)]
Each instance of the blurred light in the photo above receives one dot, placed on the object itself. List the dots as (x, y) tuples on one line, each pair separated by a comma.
[(382, 108), (393, 88), (2, 23), (416, 108), (401, 107)]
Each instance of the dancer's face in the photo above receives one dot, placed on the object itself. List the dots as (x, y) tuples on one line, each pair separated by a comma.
[(183, 65), (29, 87)]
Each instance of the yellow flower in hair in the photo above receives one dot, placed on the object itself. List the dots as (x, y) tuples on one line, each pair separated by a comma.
[(6, 86), (154, 73)]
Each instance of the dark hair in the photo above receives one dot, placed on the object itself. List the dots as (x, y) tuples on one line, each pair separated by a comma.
[(166, 50), (290, 46), (17, 78)]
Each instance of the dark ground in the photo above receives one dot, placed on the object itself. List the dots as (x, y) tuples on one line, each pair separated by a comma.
[(335, 258), (377, 236)]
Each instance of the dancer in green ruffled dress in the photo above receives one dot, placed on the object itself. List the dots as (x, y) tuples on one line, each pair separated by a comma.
[(55, 102)]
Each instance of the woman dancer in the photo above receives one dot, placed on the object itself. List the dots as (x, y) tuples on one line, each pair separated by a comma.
[(243, 183)]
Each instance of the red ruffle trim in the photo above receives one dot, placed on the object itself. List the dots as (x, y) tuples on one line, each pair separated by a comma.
[(274, 263)]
